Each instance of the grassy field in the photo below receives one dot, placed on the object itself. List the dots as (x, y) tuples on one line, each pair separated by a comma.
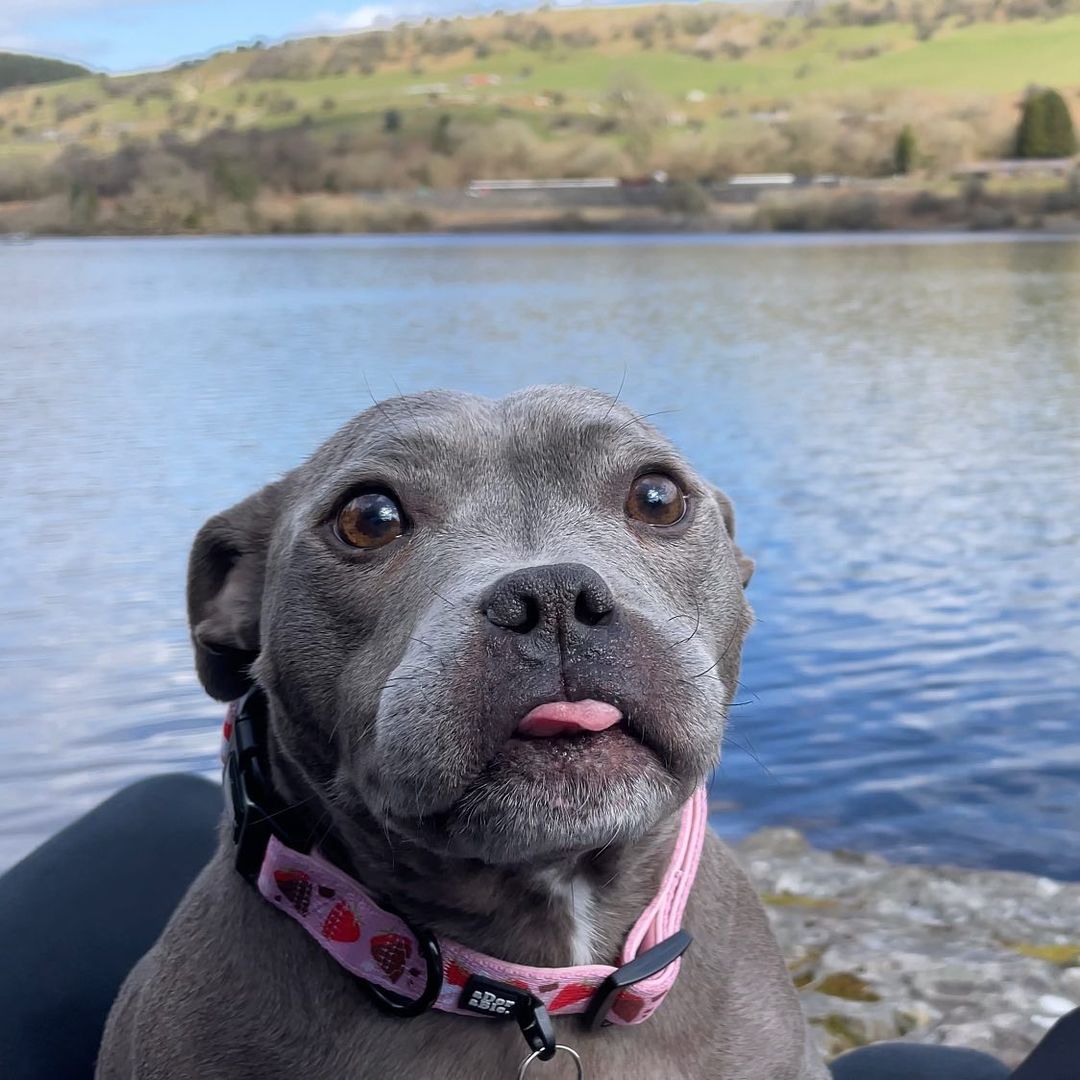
[(281, 138), (746, 64)]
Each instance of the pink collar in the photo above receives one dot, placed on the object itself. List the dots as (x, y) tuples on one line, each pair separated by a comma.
[(384, 951)]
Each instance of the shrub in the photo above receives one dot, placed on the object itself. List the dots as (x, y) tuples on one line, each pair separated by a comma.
[(284, 62), (852, 213), (685, 197), (442, 141), (904, 151), (991, 217), (974, 191), (66, 109), (507, 148), (443, 39), (1046, 128), (926, 202), (1060, 202), (579, 39), (21, 180), (855, 212), (528, 33)]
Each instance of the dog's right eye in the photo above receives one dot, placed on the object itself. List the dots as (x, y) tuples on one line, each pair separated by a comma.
[(369, 520)]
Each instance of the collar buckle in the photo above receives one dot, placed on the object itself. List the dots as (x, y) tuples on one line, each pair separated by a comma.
[(649, 963), (247, 790)]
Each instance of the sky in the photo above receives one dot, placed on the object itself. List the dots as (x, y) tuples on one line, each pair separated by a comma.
[(132, 35)]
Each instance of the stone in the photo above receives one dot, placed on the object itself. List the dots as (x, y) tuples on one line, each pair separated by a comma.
[(775, 842), (1055, 1005), (976, 958)]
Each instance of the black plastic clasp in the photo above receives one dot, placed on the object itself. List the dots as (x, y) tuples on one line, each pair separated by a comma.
[(247, 790), (489, 997), (257, 815), (537, 1027), (642, 967)]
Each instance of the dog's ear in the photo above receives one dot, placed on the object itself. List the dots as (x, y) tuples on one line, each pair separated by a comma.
[(225, 591), (745, 563)]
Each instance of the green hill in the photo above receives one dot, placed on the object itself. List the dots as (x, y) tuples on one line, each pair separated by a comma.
[(699, 91), (18, 69)]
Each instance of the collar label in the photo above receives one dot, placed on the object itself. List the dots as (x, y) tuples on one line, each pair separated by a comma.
[(490, 998)]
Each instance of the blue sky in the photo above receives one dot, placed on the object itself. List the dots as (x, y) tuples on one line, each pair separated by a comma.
[(127, 35)]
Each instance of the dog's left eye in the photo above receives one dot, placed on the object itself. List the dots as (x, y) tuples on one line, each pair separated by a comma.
[(369, 520), (656, 500)]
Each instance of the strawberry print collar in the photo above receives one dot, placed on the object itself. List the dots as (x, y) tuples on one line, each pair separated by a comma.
[(407, 970)]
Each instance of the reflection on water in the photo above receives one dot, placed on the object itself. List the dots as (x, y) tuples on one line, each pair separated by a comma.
[(897, 421)]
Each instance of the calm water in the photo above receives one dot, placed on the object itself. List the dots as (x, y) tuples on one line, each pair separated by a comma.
[(897, 421)]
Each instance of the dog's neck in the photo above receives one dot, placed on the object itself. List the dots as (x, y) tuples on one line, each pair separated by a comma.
[(572, 910)]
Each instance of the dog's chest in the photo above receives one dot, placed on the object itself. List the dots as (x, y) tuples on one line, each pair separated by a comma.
[(575, 898), (438, 1047)]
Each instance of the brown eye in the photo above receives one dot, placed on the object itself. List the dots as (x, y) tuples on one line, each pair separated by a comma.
[(369, 520), (656, 499)]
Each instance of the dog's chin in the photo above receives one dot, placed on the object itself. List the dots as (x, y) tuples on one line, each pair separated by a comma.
[(550, 797)]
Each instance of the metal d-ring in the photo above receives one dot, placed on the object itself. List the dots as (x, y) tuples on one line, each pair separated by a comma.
[(536, 1053), (403, 1007)]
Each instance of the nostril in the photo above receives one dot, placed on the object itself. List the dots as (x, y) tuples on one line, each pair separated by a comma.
[(591, 610), (530, 608), (537, 598), (520, 613)]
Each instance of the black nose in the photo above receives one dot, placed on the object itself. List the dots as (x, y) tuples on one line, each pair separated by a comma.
[(542, 596)]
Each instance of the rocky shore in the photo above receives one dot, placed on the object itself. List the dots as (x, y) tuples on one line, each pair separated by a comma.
[(983, 959)]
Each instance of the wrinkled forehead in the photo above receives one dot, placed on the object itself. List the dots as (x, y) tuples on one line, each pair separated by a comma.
[(437, 444)]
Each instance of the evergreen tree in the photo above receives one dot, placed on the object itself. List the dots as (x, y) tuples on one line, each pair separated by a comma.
[(1046, 128), (904, 152), (1061, 136)]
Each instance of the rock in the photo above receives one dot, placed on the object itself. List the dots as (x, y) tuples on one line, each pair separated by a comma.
[(1055, 1005), (975, 958), (1070, 983), (775, 842)]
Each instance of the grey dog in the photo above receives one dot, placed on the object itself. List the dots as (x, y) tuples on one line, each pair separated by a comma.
[(440, 567)]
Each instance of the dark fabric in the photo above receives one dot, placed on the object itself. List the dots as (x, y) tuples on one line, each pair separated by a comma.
[(68, 933), (1057, 1057), (69, 936), (909, 1061)]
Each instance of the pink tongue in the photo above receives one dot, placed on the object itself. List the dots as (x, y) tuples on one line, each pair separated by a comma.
[(566, 717)]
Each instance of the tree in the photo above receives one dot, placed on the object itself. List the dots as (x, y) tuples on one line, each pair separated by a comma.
[(441, 140), (1046, 127), (904, 152)]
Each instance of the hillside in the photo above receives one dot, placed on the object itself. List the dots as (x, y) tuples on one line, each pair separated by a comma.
[(700, 91), (19, 69)]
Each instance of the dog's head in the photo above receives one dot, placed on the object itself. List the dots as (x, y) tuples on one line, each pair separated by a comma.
[(445, 566)]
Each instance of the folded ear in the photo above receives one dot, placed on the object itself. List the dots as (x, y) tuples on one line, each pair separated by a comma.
[(225, 590), (746, 564)]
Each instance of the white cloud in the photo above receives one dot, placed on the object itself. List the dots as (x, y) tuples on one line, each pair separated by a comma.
[(15, 41), (362, 18), (368, 16)]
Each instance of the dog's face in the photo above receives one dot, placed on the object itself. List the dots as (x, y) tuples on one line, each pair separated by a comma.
[(445, 565)]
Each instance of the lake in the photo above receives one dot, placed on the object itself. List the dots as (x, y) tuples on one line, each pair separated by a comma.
[(896, 418)]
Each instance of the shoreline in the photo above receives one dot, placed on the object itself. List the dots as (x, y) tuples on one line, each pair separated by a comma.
[(987, 959), (512, 231), (851, 211)]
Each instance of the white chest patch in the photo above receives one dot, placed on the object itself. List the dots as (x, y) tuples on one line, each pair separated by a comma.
[(577, 895)]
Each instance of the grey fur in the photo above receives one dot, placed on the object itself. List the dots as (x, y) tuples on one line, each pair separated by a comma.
[(393, 698)]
